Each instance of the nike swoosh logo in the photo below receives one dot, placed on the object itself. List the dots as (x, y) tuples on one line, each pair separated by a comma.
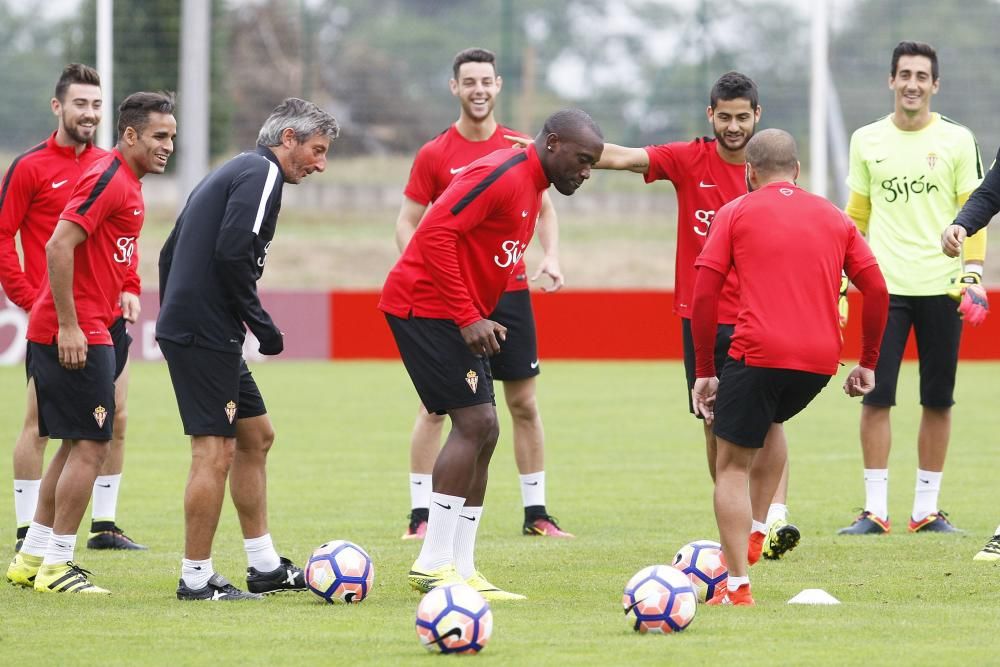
[(197, 567), (19, 490), (532, 483), (703, 184), (632, 606), (105, 486), (447, 507), (417, 483), (59, 184), (524, 214), (136, 212), (454, 632), (881, 161), (470, 518), (534, 364), (455, 171), (926, 481)]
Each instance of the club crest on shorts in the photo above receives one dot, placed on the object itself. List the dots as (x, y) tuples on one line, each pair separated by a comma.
[(472, 379), (230, 411), (100, 414)]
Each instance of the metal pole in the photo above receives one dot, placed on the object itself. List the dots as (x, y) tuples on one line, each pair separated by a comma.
[(818, 92), (105, 61), (507, 56), (193, 95)]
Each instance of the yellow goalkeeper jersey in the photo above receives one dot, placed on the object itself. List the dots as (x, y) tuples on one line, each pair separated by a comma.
[(913, 180)]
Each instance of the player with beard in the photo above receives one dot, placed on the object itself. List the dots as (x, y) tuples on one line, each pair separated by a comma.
[(35, 191), (707, 174), (477, 134)]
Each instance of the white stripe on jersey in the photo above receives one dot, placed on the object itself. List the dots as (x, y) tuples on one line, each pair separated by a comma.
[(272, 176)]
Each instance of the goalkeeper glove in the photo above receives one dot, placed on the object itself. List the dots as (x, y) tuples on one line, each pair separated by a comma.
[(842, 306), (973, 303)]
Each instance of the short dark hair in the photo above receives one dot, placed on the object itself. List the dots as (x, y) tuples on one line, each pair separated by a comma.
[(568, 123), (75, 73), (135, 109), (734, 86), (474, 55), (915, 49)]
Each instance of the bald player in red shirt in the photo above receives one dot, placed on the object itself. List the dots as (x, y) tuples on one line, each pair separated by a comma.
[(72, 358), (787, 342), (437, 299), (35, 190)]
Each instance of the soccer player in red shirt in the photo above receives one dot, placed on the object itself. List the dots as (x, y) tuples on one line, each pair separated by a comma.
[(437, 300), (477, 134), (787, 341), (70, 345), (35, 190), (706, 174)]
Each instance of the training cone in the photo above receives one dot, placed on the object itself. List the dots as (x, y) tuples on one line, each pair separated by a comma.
[(814, 596)]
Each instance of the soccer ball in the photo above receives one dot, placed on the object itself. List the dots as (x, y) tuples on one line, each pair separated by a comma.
[(704, 565), (340, 571), (454, 619), (660, 599)]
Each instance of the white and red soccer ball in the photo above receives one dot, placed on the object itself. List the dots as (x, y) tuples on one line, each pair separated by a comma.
[(704, 565), (659, 599), (340, 571), (454, 619)]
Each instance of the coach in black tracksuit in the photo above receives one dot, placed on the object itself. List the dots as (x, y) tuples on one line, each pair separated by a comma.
[(209, 269)]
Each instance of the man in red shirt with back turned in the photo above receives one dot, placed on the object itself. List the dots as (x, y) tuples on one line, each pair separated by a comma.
[(437, 299), (786, 344), (72, 356), (36, 188)]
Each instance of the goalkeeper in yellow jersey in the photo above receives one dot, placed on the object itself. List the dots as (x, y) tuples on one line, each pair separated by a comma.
[(910, 173)]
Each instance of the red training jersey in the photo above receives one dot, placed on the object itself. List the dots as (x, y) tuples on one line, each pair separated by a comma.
[(460, 259), (107, 203), (35, 190), (788, 247), (704, 183), (441, 159)]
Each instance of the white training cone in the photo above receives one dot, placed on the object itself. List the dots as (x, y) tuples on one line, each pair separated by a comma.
[(814, 596)]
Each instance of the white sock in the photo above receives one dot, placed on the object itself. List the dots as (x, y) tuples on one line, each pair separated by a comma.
[(196, 573), (438, 548), (105, 503), (925, 499), (420, 490), (877, 492), (60, 549), (533, 488), (776, 512), (25, 500), (732, 583), (758, 527), (37, 540), (465, 540), (261, 554)]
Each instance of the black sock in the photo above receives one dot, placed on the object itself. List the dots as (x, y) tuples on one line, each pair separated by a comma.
[(22, 532), (418, 514), (101, 526), (532, 512)]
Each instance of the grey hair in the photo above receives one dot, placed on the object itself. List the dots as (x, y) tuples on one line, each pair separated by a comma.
[(303, 117)]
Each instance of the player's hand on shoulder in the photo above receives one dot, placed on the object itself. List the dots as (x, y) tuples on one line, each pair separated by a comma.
[(484, 336), (951, 240), (516, 141), (859, 382), (72, 345), (703, 397)]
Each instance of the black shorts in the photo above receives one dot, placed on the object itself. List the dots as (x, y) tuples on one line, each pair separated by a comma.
[(444, 371), (752, 398), (723, 335), (120, 341), (938, 328), (213, 389), (74, 404), (518, 357)]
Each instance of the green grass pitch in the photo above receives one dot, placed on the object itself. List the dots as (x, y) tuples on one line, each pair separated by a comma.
[(626, 473)]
